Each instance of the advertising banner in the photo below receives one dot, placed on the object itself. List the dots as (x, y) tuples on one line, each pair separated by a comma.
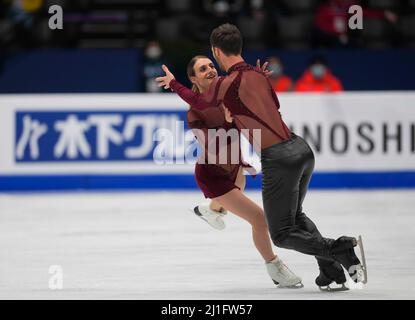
[(141, 141)]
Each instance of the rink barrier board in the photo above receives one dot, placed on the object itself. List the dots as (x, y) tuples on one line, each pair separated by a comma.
[(360, 140), (321, 180)]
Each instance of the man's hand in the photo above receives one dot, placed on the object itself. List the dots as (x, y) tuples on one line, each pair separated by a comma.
[(227, 113), (266, 72), (165, 81)]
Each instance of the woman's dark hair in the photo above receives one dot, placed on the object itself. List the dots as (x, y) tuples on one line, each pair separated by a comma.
[(227, 38), (190, 70)]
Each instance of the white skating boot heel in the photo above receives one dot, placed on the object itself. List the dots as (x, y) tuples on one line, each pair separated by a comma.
[(282, 276), (213, 218)]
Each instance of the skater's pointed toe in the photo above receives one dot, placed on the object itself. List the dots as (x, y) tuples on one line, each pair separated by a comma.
[(213, 218)]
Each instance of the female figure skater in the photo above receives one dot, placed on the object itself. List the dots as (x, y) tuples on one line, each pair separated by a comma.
[(224, 183)]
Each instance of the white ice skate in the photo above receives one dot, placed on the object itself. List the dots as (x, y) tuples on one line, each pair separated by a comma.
[(282, 276), (213, 218)]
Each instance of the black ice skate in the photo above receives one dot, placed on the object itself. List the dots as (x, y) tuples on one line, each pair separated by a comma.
[(331, 273), (343, 251)]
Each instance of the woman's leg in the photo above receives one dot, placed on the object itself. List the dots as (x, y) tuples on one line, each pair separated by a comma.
[(248, 210), (240, 182), (215, 206)]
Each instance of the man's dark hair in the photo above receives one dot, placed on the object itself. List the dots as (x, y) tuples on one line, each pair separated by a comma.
[(227, 38)]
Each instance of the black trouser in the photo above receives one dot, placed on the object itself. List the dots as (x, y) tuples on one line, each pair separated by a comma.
[(287, 168)]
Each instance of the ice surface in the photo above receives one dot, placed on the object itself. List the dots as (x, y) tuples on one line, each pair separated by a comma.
[(147, 245)]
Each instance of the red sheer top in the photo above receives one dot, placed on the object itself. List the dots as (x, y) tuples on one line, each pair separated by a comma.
[(250, 98), (200, 121)]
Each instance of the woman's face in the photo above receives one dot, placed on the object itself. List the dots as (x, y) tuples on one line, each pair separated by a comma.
[(205, 72)]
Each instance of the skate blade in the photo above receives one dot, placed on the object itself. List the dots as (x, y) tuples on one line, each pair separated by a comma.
[(335, 289), (294, 286), (358, 272), (363, 259)]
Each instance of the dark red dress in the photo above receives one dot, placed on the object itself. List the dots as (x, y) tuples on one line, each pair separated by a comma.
[(213, 179)]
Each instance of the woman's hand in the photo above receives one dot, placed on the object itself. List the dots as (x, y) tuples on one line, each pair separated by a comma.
[(266, 72), (165, 81)]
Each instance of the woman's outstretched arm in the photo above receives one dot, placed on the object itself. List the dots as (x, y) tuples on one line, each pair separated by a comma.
[(196, 100)]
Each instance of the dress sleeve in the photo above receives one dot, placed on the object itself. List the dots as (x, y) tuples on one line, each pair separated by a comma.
[(198, 100)]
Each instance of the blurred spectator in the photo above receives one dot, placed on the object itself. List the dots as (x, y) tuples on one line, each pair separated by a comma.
[(318, 78), (21, 11), (280, 82), (20, 24), (152, 66), (255, 9), (30, 5), (264, 23), (332, 18), (253, 22), (223, 8), (331, 21)]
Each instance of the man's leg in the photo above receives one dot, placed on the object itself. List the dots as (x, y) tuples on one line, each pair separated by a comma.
[(330, 270), (283, 167), (281, 195), (301, 220)]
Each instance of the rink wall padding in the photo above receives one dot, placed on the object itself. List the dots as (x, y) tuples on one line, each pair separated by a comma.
[(340, 180), (140, 141)]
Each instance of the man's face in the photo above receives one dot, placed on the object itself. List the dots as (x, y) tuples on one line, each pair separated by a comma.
[(217, 54)]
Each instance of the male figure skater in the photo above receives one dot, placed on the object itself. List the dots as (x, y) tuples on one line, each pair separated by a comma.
[(287, 160)]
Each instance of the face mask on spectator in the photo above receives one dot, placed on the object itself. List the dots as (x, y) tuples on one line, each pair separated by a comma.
[(317, 70), (276, 69), (153, 52)]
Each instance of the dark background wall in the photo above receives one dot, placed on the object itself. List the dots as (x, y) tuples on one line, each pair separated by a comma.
[(60, 70), (121, 70)]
